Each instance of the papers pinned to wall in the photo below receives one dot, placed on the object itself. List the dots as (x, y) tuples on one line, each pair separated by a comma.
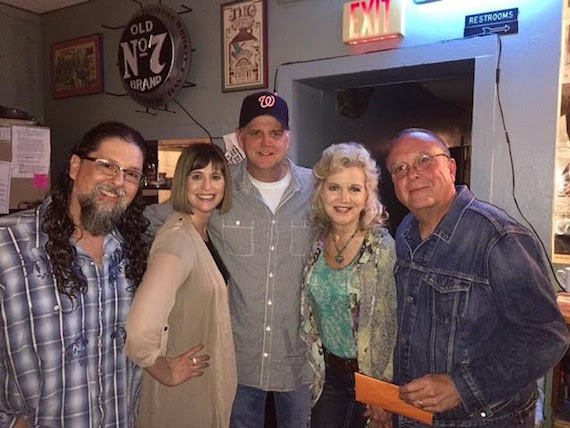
[(234, 153), (5, 133), (5, 180), (30, 151)]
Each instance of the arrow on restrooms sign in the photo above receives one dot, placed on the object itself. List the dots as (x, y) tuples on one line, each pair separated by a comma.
[(499, 22)]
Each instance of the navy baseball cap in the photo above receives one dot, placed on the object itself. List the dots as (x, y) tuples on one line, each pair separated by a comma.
[(264, 103)]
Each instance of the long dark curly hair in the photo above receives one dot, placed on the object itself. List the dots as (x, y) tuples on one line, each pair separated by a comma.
[(59, 226)]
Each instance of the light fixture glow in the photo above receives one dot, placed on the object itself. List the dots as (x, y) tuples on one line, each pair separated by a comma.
[(368, 20)]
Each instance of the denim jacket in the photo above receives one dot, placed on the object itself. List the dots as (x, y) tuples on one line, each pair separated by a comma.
[(475, 301)]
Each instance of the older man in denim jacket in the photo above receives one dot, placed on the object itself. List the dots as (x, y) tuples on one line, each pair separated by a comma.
[(478, 320)]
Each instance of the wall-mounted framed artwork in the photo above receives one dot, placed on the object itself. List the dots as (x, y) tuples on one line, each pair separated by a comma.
[(76, 67), (244, 45)]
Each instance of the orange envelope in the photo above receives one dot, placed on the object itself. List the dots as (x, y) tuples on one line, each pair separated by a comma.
[(385, 395)]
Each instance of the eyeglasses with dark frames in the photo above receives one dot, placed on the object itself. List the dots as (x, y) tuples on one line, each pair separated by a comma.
[(421, 162), (112, 169)]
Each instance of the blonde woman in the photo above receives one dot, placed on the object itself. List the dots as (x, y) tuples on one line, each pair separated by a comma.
[(349, 294)]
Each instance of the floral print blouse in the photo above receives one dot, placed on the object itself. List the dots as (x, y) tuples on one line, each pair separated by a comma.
[(374, 311)]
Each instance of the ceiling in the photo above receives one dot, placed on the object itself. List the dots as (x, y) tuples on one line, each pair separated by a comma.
[(42, 6)]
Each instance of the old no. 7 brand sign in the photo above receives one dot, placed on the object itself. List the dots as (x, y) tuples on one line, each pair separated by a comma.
[(154, 55)]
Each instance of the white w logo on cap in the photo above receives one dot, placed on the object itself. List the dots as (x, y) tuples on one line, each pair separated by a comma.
[(266, 101)]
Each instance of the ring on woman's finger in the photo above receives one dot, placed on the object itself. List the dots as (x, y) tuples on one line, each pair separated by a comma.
[(196, 362), (421, 403)]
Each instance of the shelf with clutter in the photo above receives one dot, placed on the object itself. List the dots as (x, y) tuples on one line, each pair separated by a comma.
[(561, 372), (560, 388), (161, 163)]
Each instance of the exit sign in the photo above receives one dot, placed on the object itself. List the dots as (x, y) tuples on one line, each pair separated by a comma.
[(367, 20)]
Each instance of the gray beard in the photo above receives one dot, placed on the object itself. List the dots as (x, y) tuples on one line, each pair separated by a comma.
[(94, 219)]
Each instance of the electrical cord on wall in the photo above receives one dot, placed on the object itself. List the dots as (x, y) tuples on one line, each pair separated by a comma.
[(305, 61), (507, 136), (503, 122), (192, 117), (508, 139)]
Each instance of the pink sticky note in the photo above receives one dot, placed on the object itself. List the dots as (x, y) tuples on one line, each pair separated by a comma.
[(40, 181)]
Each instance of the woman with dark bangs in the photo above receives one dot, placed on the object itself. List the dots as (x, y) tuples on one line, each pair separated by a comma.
[(179, 328)]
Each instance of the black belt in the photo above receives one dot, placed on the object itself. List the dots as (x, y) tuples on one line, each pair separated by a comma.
[(339, 363)]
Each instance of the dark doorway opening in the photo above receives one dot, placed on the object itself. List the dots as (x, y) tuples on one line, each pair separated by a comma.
[(371, 107)]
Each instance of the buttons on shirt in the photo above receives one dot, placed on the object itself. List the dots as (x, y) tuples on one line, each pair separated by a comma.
[(269, 302), (238, 222), (270, 274), (273, 248), (56, 308), (410, 299), (265, 355), (267, 328), (272, 221), (483, 414)]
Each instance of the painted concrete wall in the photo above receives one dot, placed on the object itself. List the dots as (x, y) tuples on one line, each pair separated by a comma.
[(529, 92), (21, 61), (311, 29)]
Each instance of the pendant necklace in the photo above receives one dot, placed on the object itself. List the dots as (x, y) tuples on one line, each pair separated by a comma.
[(339, 258)]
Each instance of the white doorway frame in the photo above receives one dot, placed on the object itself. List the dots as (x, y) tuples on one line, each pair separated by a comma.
[(483, 50)]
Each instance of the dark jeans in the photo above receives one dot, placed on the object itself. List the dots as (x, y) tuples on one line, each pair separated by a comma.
[(526, 422), (337, 407), (292, 408)]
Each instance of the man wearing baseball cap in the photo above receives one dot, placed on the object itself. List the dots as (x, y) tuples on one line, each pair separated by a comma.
[(263, 240)]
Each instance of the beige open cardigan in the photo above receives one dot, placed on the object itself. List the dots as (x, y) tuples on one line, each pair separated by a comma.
[(181, 302)]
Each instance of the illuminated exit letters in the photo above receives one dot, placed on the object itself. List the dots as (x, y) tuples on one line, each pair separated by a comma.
[(367, 20)]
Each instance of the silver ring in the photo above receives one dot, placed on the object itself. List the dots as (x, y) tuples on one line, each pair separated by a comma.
[(421, 403), (194, 361)]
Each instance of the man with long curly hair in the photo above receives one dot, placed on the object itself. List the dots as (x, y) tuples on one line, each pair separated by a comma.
[(68, 273)]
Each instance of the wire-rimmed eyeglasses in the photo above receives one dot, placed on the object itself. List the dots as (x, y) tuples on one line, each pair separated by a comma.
[(111, 169), (421, 162)]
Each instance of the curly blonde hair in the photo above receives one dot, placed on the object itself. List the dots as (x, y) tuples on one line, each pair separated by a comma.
[(334, 159)]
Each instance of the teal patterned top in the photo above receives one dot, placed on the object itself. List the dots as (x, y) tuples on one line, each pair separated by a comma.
[(330, 301), (373, 312)]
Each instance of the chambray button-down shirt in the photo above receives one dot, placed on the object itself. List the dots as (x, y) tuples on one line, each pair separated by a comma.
[(61, 361), (265, 254)]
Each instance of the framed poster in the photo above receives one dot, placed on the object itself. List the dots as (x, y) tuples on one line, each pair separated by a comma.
[(566, 51), (76, 67), (244, 45), (562, 207)]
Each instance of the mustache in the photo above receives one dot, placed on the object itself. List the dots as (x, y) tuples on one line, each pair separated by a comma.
[(116, 191)]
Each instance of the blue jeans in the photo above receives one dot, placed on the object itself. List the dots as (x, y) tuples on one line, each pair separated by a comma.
[(522, 420), (337, 407), (292, 408)]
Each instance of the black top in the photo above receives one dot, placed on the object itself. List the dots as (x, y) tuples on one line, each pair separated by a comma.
[(219, 262)]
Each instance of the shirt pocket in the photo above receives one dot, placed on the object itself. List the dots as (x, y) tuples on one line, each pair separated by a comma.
[(237, 236), (449, 297), (301, 237)]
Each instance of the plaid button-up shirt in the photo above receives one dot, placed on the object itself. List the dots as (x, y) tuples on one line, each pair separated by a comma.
[(62, 361)]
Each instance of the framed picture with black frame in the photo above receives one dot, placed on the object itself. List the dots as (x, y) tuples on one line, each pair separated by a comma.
[(244, 45)]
